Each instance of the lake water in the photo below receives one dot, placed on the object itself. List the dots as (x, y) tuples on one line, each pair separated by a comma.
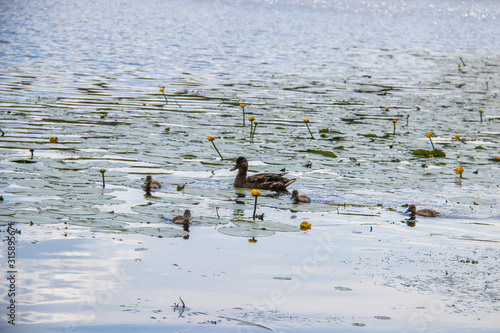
[(92, 259)]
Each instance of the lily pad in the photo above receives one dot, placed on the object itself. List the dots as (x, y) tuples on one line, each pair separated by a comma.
[(163, 232), (270, 226), (245, 232), (327, 153), (429, 153)]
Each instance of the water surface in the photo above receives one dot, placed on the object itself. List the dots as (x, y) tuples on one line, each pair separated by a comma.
[(99, 259)]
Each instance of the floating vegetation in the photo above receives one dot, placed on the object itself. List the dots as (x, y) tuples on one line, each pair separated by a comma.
[(246, 232), (326, 153), (429, 153)]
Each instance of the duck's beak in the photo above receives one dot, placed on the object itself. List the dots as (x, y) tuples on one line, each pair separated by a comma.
[(234, 168), (407, 210)]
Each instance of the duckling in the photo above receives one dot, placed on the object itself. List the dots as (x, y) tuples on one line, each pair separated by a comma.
[(263, 181), (299, 198), (412, 209), (185, 219), (151, 183)]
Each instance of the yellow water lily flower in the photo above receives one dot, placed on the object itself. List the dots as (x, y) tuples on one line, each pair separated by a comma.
[(456, 137), (255, 192), (211, 138), (243, 105), (251, 118), (459, 170), (305, 225), (481, 111), (53, 139), (429, 134), (306, 120), (253, 240), (102, 170), (255, 122), (394, 121), (162, 89)]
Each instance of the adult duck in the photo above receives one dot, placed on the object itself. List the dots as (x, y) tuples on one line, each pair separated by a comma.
[(150, 183), (263, 181), (299, 198), (184, 219), (412, 209)]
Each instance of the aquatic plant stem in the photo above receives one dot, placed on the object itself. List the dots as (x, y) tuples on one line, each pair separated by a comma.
[(103, 180), (307, 124), (255, 207), (218, 152), (166, 100), (242, 105), (252, 134), (31, 151), (432, 144), (394, 121)]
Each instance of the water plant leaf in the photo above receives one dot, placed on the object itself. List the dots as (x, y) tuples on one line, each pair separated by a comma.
[(428, 153), (245, 232), (327, 153), (163, 232), (271, 226)]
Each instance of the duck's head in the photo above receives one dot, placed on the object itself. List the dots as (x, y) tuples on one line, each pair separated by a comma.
[(149, 179), (295, 194), (412, 209), (241, 162), (187, 214)]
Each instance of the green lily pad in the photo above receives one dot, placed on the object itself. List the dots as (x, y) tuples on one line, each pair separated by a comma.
[(270, 226), (428, 153), (326, 153), (154, 209), (245, 232), (30, 216), (163, 232), (137, 218)]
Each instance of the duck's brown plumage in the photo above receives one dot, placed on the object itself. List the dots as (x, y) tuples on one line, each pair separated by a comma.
[(262, 181), (185, 219), (151, 183), (299, 198), (412, 209)]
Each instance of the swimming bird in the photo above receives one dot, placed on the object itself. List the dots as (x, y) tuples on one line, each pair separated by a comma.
[(185, 219), (151, 183), (412, 209), (299, 198), (263, 181)]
